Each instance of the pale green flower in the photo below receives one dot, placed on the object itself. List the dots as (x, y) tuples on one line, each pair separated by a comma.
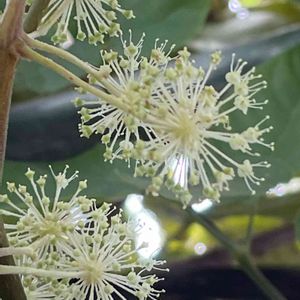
[(44, 221), (100, 261), (79, 251), (94, 18), (103, 259), (132, 79), (195, 142), (175, 124)]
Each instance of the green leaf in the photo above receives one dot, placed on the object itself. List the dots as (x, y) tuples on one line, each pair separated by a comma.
[(283, 75), (174, 20), (2, 5), (33, 80)]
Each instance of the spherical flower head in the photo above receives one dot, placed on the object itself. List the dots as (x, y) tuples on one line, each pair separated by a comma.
[(192, 122), (134, 81), (174, 123), (94, 19), (103, 260), (44, 221)]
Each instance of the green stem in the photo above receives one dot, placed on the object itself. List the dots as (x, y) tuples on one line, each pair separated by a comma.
[(69, 57), (241, 255), (10, 31), (38, 272), (249, 267), (250, 226), (49, 63), (6, 251), (36, 44), (34, 15)]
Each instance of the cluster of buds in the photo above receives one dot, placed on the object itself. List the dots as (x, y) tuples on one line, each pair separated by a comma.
[(173, 123), (94, 18), (132, 80), (70, 248)]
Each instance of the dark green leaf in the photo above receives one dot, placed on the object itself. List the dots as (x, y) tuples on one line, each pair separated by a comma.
[(2, 5), (283, 92), (33, 80), (174, 20)]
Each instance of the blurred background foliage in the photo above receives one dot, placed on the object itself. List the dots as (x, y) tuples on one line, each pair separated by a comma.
[(266, 33)]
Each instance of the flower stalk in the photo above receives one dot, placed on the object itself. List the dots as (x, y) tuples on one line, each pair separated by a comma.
[(241, 255), (6, 251), (28, 53), (37, 272), (65, 55)]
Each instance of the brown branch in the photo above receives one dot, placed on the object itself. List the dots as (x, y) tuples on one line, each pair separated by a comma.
[(8, 62), (10, 31)]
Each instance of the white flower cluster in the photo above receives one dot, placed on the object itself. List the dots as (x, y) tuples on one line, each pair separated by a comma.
[(94, 18), (133, 83), (45, 221), (174, 123), (77, 251)]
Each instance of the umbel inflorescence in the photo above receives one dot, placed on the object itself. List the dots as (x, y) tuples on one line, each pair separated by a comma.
[(173, 123), (94, 19), (72, 249)]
